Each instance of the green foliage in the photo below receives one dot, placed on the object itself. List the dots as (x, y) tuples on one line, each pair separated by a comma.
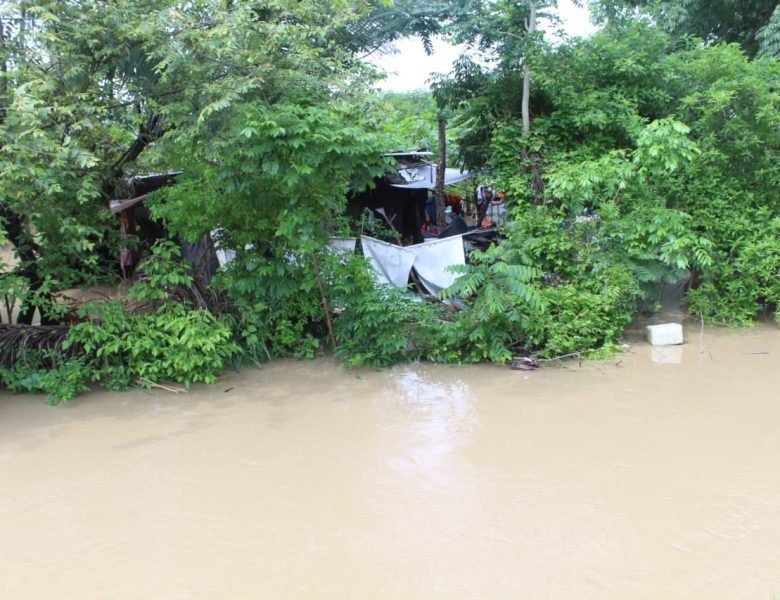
[(274, 173), (160, 274), (587, 316), (61, 384), (604, 238), (261, 106), (383, 326), (376, 326), (276, 306), (160, 340), (583, 301), (735, 291), (409, 120), (500, 297), (769, 36), (736, 21), (71, 101), (172, 343), (168, 341), (731, 191), (652, 155), (48, 185)]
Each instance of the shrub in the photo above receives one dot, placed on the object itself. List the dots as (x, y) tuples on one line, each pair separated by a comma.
[(738, 287), (172, 343), (61, 384), (578, 319)]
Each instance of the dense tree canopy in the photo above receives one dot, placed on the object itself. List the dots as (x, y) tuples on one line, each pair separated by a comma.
[(95, 91), (753, 24)]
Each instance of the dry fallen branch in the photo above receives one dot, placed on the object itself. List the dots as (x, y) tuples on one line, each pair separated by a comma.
[(154, 385)]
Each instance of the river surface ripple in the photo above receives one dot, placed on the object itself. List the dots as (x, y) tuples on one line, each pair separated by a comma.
[(650, 475)]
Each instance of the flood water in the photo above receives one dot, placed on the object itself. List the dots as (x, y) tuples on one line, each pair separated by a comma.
[(645, 476)]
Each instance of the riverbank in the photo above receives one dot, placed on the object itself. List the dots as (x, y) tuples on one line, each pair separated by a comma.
[(631, 477)]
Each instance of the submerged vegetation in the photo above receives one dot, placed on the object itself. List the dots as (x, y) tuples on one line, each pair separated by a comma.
[(651, 156)]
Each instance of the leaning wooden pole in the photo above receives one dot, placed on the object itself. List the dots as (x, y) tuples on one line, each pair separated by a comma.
[(324, 299), (441, 222)]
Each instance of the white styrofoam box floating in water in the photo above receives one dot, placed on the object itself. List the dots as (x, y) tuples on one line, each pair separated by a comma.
[(666, 334)]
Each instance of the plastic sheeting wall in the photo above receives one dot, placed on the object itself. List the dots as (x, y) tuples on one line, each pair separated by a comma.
[(430, 260), (391, 263)]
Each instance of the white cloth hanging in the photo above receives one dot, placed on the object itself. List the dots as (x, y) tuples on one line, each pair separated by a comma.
[(430, 260), (433, 259), (391, 263)]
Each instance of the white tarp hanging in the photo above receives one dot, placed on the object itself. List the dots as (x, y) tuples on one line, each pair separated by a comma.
[(225, 256), (391, 263), (433, 259), (430, 260)]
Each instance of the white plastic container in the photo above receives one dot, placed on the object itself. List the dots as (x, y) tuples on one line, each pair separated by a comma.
[(666, 334)]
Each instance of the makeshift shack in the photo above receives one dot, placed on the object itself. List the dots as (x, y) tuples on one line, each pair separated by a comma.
[(135, 220), (401, 193)]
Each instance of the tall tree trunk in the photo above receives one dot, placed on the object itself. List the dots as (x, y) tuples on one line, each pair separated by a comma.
[(440, 203), (532, 161), (531, 28)]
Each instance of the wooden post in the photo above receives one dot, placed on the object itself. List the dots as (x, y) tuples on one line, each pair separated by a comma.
[(441, 222)]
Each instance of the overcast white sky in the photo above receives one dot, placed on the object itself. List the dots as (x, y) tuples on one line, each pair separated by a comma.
[(410, 68)]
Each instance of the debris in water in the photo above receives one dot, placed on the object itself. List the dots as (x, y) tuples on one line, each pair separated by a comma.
[(230, 388), (523, 363), (754, 353)]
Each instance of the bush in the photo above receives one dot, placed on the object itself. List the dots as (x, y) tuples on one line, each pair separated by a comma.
[(737, 288), (172, 343), (383, 326), (500, 294), (61, 384), (162, 339), (578, 319), (275, 308)]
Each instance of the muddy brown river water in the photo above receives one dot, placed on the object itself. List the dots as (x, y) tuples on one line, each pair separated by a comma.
[(646, 476)]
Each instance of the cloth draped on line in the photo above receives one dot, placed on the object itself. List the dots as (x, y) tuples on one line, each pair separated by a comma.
[(430, 260)]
